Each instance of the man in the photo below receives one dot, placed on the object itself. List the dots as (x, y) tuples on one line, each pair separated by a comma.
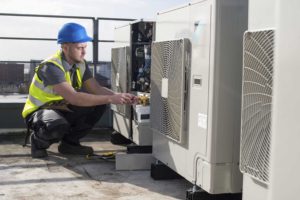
[(64, 100)]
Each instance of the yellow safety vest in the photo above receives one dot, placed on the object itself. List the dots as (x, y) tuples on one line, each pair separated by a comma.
[(40, 95)]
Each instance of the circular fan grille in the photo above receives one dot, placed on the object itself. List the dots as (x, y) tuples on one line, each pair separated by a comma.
[(257, 103), (167, 114)]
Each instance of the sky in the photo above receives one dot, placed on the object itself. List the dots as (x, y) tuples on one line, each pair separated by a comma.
[(48, 27)]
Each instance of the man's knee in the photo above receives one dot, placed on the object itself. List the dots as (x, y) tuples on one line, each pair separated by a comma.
[(53, 131), (49, 125), (44, 135)]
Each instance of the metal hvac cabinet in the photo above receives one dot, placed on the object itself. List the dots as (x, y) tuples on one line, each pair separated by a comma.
[(270, 115), (131, 73), (257, 100), (196, 83), (256, 111)]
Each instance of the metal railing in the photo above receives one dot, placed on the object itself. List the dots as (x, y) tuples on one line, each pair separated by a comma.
[(95, 21), (95, 43)]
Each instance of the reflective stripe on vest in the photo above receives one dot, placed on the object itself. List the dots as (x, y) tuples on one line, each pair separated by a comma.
[(40, 95)]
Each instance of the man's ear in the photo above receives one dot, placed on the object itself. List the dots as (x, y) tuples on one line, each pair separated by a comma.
[(64, 46)]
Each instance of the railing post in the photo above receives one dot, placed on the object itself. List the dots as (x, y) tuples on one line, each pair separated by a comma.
[(95, 43)]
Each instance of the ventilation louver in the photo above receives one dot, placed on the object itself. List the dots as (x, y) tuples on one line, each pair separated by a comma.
[(257, 103), (169, 87), (119, 76)]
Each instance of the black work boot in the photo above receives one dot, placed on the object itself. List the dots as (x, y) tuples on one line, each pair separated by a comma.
[(74, 149), (35, 151)]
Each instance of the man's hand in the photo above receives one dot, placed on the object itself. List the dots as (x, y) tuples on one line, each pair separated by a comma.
[(124, 98), (84, 99)]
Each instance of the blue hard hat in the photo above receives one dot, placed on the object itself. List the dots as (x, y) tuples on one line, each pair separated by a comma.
[(72, 32)]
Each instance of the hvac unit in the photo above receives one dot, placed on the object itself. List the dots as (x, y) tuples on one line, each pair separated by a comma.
[(256, 109), (196, 84), (257, 100), (131, 61)]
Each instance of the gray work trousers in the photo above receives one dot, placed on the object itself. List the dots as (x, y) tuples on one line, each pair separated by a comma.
[(50, 126)]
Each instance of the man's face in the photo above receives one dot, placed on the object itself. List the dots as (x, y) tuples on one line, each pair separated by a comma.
[(75, 52)]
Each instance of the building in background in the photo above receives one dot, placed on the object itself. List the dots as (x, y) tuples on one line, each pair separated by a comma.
[(11, 78), (11, 73)]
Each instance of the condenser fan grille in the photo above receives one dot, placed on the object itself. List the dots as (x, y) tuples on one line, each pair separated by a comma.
[(170, 61), (119, 69), (257, 101)]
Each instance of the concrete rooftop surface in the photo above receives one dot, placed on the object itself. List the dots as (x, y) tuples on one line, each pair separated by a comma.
[(76, 177)]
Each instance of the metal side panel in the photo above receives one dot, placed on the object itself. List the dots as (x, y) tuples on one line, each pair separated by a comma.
[(169, 87), (254, 189), (173, 24), (122, 35), (141, 133), (121, 124), (119, 76), (219, 178), (201, 23)]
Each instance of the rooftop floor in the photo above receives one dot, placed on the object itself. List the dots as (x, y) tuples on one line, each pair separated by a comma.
[(75, 177)]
